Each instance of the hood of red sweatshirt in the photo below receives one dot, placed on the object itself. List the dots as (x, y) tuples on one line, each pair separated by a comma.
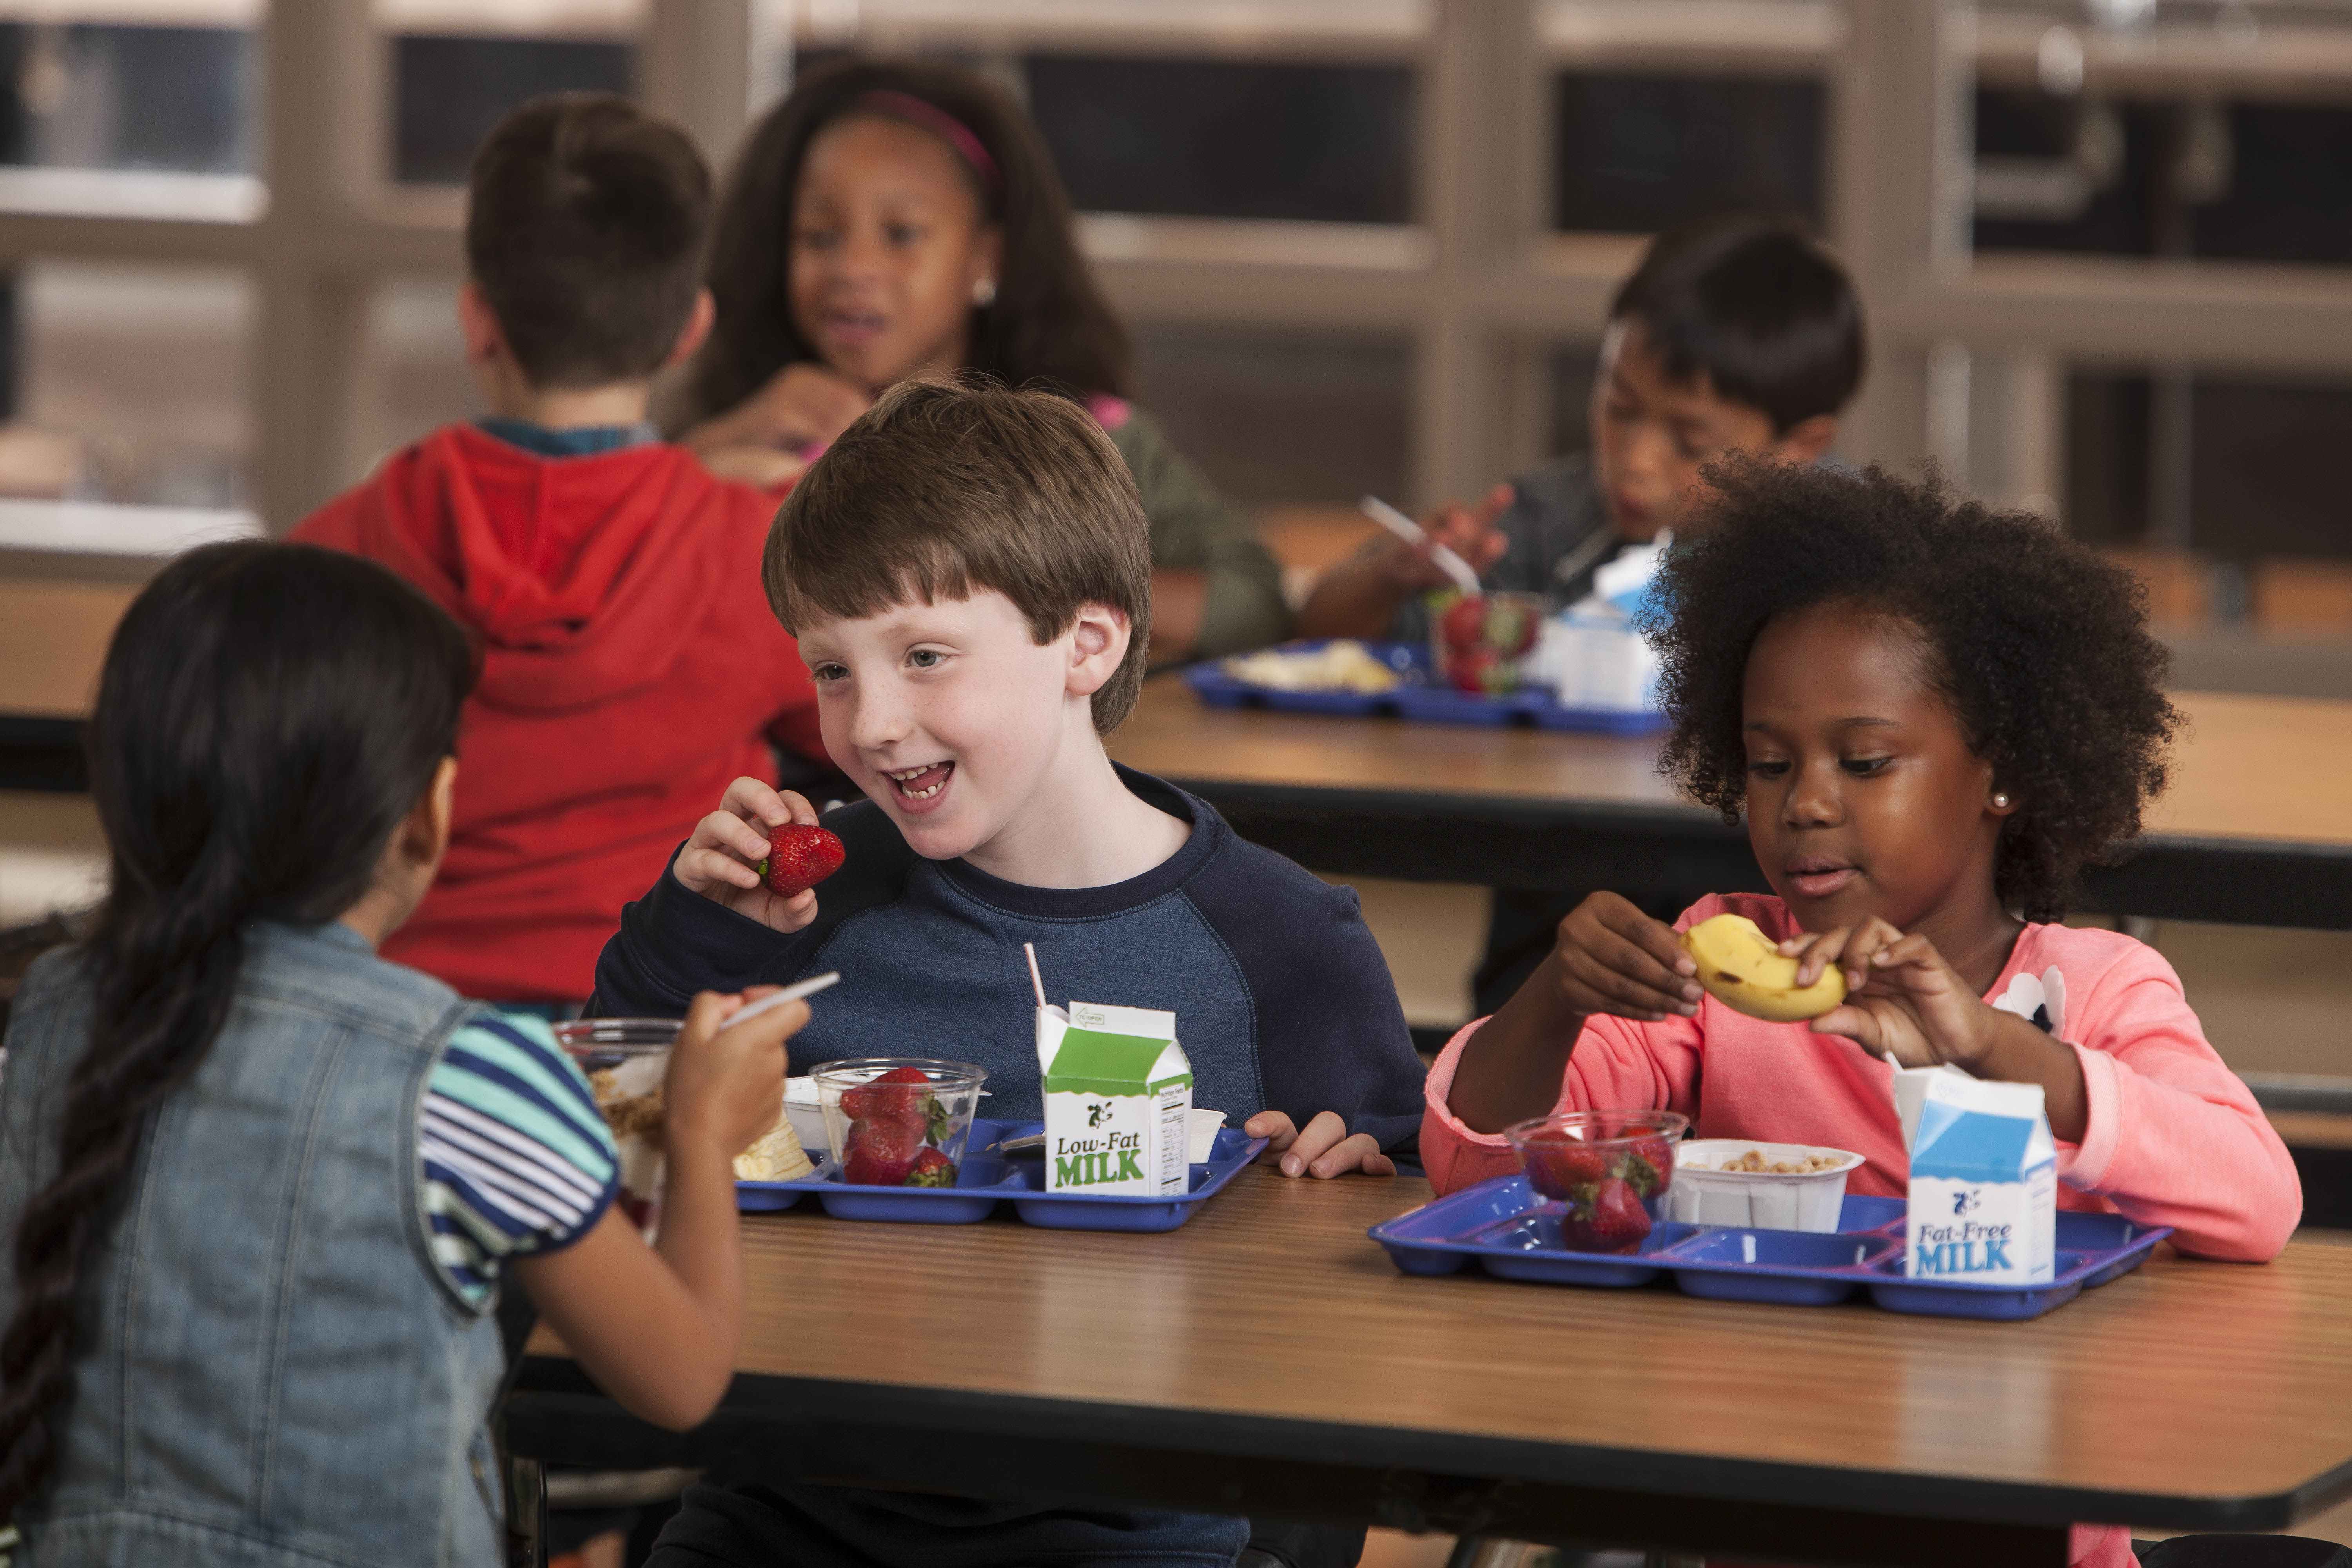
[(580, 574)]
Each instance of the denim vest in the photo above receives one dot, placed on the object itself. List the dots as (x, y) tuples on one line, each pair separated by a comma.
[(273, 1369)]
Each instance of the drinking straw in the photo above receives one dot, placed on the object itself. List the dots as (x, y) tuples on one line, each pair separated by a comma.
[(788, 993), (1035, 978), (1412, 533)]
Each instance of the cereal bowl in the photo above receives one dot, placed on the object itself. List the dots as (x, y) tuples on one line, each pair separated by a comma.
[(1770, 1186)]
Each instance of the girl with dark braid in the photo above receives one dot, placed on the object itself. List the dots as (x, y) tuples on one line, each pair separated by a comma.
[(260, 1194)]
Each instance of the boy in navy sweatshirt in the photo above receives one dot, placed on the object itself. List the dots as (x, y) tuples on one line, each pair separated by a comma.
[(968, 572)]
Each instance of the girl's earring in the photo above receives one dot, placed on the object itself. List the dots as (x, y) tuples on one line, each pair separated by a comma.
[(984, 293), (2000, 801)]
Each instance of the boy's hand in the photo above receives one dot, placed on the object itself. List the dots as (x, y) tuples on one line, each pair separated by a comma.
[(1609, 957), (1325, 1149), (1902, 1003), (727, 1087), (1468, 533), (718, 860)]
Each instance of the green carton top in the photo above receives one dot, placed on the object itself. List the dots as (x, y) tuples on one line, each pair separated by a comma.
[(1092, 1062)]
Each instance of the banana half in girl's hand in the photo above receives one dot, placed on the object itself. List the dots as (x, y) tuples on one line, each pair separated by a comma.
[(1743, 969)]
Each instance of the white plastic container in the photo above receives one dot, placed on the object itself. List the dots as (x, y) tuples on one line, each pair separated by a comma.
[(1704, 1194), (807, 1116)]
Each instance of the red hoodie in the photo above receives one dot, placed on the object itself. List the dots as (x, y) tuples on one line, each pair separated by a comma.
[(631, 669)]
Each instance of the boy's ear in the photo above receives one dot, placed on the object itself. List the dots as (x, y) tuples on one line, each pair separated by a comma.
[(1807, 439), (424, 837), (690, 336), (1097, 647), (485, 340)]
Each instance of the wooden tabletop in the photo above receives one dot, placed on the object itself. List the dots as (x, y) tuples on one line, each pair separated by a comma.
[(2274, 769), (2192, 1394)]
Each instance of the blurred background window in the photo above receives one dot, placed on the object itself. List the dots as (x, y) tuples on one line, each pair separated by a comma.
[(1639, 153), (451, 88)]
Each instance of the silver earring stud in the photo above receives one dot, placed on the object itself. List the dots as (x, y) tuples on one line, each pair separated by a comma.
[(984, 293), (2000, 801)]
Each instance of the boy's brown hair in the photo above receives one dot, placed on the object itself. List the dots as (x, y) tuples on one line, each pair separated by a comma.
[(584, 228), (942, 489)]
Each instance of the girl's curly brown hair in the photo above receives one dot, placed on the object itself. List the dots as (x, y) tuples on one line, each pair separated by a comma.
[(2038, 646)]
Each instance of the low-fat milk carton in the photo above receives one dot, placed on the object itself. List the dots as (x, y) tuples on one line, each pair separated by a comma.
[(1983, 1205), (1118, 1101)]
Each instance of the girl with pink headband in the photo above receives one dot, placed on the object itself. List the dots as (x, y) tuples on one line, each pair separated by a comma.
[(900, 218)]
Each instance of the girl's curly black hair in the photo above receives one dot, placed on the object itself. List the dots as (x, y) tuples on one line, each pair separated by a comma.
[(2039, 647)]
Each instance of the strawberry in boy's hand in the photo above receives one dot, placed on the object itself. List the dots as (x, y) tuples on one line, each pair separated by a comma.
[(799, 857)]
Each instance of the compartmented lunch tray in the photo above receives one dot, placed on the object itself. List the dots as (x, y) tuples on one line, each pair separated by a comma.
[(987, 1178), (1503, 1227), (1421, 698)]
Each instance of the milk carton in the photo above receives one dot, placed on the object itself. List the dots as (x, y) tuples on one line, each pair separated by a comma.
[(1118, 1101), (1984, 1179)]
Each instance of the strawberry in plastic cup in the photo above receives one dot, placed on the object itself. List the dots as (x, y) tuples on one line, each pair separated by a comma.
[(1608, 1171), (1478, 640), (898, 1121)]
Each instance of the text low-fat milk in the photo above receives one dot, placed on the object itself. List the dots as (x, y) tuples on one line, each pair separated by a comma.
[(1118, 1101), (1983, 1205)]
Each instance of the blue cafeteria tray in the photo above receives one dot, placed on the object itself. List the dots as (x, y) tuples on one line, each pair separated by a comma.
[(1423, 698), (986, 1179), (1506, 1229)]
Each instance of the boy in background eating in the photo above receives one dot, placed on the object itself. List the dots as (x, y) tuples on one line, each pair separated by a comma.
[(1733, 334), (968, 570), (630, 665)]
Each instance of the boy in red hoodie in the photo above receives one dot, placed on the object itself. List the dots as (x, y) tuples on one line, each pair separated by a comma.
[(631, 667)]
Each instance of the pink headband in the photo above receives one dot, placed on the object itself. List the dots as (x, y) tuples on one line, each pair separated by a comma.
[(944, 126)]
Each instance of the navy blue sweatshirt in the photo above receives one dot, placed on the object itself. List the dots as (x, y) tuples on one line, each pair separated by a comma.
[(1282, 999)]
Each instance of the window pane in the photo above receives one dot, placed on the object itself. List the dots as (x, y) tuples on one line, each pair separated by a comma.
[(89, 97), (1229, 139), (1639, 153), (450, 90)]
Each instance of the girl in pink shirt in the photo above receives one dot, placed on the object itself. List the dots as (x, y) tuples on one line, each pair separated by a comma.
[(1930, 716)]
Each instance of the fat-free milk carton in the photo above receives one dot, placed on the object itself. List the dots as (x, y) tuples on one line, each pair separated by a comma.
[(1984, 1179), (1118, 1101)]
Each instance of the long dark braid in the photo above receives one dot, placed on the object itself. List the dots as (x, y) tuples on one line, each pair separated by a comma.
[(267, 716)]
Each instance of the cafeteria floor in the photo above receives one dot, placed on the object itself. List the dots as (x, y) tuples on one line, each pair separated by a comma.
[(2272, 1001)]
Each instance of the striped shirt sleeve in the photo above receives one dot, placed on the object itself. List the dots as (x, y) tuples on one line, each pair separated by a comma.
[(517, 1159)]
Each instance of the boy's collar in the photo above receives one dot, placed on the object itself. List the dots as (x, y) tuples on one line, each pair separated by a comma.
[(580, 441), (1069, 903)]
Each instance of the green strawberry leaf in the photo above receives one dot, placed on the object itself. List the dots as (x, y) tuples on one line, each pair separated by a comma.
[(935, 1121)]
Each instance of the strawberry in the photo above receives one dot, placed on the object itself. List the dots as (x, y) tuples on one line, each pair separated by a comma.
[(799, 857), (1614, 1221), (880, 1153), (1464, 623), (1648, 1165), (1558, 1164), (1477, 670), (931, 1169), (893, 1097)]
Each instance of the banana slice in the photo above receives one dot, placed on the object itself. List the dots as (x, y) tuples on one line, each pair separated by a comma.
[(1743, 969)]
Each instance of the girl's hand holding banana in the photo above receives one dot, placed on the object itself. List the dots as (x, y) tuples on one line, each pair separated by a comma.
[(1901, 1001)]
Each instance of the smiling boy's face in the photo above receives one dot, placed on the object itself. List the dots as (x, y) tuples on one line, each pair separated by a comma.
[(950, 715), (1863, 796)]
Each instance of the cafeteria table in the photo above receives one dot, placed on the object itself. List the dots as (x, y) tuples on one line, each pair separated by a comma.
[(2255, 829), (1267, 1359)]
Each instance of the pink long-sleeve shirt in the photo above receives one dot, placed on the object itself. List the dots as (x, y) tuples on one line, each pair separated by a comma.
[(2173, 1137)]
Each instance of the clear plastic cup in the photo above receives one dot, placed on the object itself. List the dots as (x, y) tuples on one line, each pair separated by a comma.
[(1477, 641), (626, 1061), (1608, 1171), (897, 1134)]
